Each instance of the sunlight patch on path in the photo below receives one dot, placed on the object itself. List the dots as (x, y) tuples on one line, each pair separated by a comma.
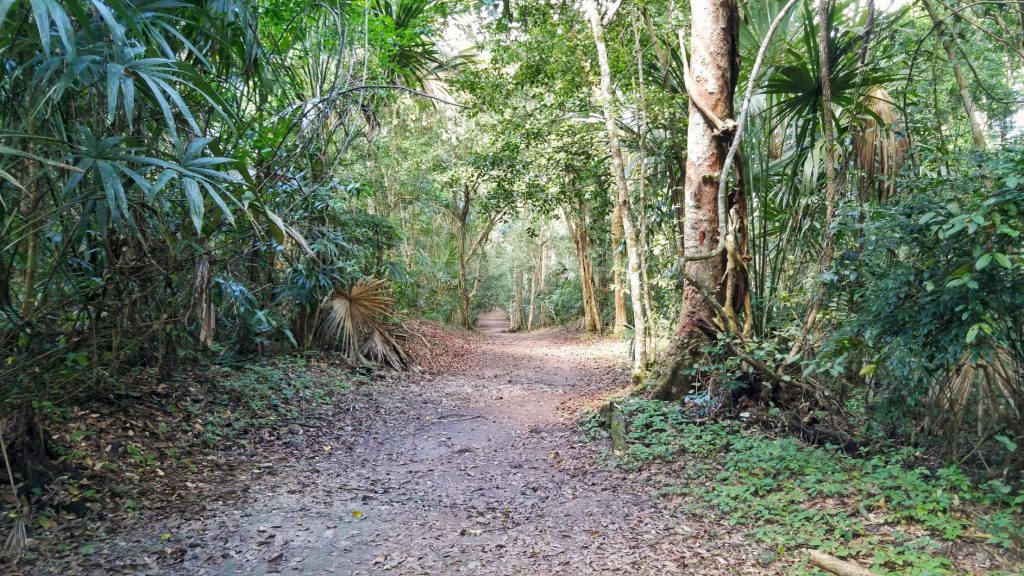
[(494, 322)]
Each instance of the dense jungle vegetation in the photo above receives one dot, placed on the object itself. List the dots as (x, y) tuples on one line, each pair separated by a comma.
[(804, 218)]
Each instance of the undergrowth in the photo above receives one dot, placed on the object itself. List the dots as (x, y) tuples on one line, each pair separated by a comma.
[(888, 508), (119, 455), (239, 399)]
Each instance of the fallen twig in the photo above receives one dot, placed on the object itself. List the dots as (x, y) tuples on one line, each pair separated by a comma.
[(463, 419), (835, 565)]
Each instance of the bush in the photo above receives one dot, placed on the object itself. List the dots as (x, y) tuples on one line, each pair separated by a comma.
[(931, 298)]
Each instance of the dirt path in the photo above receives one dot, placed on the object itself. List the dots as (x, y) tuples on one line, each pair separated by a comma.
[(475, 472), (494, 322)]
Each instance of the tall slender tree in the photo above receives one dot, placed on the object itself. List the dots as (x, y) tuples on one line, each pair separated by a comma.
[(977, 130), (624, 204)]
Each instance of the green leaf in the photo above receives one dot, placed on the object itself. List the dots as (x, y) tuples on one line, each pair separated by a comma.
[(868, 369), (195, 202), (42, 18), (972, 333), (1010, 445), (117, 202), (1003, 260), (114, 73), (983, 261)]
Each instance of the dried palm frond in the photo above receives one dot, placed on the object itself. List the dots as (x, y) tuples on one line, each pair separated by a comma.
[(879, 153), (356, 321), (17, 539), (382, 348), (994, 383), (203, 303)]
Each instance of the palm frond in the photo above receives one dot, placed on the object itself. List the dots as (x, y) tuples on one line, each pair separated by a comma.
[(356, 321), (992, 385), (878, 152)]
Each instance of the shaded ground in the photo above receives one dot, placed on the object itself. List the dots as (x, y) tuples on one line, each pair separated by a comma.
[(493, 322), (474, 471)]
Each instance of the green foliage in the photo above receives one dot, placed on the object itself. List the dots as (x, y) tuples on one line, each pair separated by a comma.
[(791, 495), (241, 399), (934, 285), (171, 170)]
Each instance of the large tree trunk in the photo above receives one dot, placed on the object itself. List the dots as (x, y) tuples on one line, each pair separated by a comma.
[(619, 172), (713, 67)]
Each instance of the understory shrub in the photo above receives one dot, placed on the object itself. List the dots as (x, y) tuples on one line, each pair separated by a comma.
[(928, 302)]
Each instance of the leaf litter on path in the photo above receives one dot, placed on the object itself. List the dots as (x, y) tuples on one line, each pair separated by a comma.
[(473, 466)]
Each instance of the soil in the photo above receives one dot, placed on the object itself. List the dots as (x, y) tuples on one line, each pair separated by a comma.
[(475, 467)]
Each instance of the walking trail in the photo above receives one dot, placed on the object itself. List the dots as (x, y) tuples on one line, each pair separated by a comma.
[(479, 470)]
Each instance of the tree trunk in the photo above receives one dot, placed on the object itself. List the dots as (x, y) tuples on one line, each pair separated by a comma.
[(714, 65), (516, 314), (462, 216), (618, 171), (533, 298), (29, 206), (977, 131), (581, 240), (825, 261), (619, 292), (642, 193), (464, 303), (543, 278)]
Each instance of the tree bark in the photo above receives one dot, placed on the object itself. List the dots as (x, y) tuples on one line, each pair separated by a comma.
[(642, 189), (581, 240), (464, 301), (542, 320), (467, 251), (621, 316), (619, 173), (714, 66)]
